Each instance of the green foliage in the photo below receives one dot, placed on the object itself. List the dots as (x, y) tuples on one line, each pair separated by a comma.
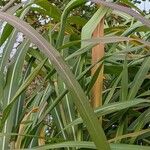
[(45, 81)]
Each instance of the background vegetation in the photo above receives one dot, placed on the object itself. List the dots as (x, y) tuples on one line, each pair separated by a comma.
[(46, 85)]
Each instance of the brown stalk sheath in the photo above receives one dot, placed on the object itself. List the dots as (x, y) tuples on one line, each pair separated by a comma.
[(97, 53)]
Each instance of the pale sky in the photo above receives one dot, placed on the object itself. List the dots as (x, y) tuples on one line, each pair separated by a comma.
[(144, 5)]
